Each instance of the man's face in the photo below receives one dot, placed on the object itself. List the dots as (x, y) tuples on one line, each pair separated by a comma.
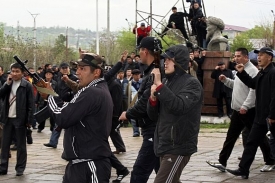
[(239, 58), (142, 27), (1, 71), (65, 70), (129, 73), (137, 59), (143, 55), (85, 75), (49, 67), (191, 55), (196, 6), (169, 66), (196, 54), (121, 75), (174, 11), (222, 67), (49, 75), (133, 55), (32, 71), (129, 60), (17, 74), (136, 77), (263, 59)]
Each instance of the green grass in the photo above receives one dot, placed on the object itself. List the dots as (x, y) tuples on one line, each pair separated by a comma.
[(215, 126)]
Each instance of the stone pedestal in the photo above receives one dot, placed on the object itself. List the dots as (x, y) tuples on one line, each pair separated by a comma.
[(212, 59)]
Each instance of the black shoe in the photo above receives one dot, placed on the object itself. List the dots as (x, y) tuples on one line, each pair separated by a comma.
[(29, 136), (13, 148), (19, 173), (238, 172), (49, 145), (117, 151), (39, 131), (120, 176), (136, 135), (34, 127), (217, 165), (229, 116), (239, 158), (3, 172)]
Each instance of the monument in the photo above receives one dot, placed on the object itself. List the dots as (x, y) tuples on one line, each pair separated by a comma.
[(214, 36), (216, 52)]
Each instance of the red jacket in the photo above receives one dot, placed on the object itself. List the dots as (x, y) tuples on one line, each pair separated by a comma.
[(143, 33)]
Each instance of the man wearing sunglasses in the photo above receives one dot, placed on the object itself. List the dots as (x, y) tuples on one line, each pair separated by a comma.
[(175, 104)]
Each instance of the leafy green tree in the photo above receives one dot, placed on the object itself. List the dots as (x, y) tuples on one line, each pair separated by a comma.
[(241, 41)]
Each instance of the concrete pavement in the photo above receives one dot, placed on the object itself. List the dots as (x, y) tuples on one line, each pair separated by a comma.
[(46, 166)]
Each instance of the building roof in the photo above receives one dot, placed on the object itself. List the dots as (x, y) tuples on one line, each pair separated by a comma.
[(235, 28)]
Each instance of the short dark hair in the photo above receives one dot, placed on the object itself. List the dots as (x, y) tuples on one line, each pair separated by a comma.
[(17, 66), (137, 56), (129, 57), (46, 65), (243, 51), (93, 69), (2, 67), (174, 8)]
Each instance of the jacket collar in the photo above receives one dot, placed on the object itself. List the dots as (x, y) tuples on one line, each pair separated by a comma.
[(267, 69)]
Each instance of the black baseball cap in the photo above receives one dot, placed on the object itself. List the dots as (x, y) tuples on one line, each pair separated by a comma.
[(90, 60), (221, 63), (64, 64), (266, 50), (149, 43)]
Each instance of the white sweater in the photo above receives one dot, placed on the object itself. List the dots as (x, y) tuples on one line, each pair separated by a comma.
[(242, 96)]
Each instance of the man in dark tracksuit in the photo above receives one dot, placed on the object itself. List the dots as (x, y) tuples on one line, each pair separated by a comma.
[(87, 127), (176, 105), (146, 160), (17, 112), (264, 85)]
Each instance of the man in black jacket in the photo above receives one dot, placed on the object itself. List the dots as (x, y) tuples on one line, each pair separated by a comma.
[(87, 126), (17, 113), (176, 21), (221, 91), (264, 85), (146, 160), (176, 105)]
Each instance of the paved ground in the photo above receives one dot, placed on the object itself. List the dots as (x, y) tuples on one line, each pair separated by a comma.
[(45, 165)]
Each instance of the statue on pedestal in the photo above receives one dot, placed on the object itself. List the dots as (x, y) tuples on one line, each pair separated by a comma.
[(214, 34)]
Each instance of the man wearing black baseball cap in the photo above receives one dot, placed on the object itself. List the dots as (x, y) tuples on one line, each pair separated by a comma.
[(86, 145), (264, 85), (146, 160)]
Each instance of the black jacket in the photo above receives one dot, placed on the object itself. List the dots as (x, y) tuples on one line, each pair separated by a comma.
[(85, 120), (177, 18), (24, 102), (62, 89), (264, 85), (116, 94), (218, 85), (139, 111), (178, 113)]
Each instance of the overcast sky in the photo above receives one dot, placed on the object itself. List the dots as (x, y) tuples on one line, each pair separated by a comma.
[(81, 14)]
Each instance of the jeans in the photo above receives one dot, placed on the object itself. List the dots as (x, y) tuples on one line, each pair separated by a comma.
[(54, 137), (135, 128)]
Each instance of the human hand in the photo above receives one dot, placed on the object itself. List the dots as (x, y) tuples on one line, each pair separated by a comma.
[(153, 90), (9, 79), (243, 111), (203, 53), (157, 76), (222, 77), (217, 67), (271, 121), (124, 55), (239, 67), (65, 77), (122, 116)]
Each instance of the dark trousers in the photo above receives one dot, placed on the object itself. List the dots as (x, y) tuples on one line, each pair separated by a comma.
[(220, 104), (98, 171), (180, 27), (171, 167), (146, 161), (256, 137), (139, 38), (116, 164), (237, 124), (116, 136), (14, 126)]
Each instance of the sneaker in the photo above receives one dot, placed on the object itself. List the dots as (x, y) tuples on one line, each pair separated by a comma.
[(216, 165), (267, 168), (121, 176)]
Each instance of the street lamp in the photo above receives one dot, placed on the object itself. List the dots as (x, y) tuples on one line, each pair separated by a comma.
[(34, 15), (273, 29)]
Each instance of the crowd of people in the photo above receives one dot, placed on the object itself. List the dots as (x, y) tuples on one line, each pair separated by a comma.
[(162, 104)]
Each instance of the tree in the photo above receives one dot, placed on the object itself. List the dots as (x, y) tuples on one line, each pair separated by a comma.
[(241, 41)]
